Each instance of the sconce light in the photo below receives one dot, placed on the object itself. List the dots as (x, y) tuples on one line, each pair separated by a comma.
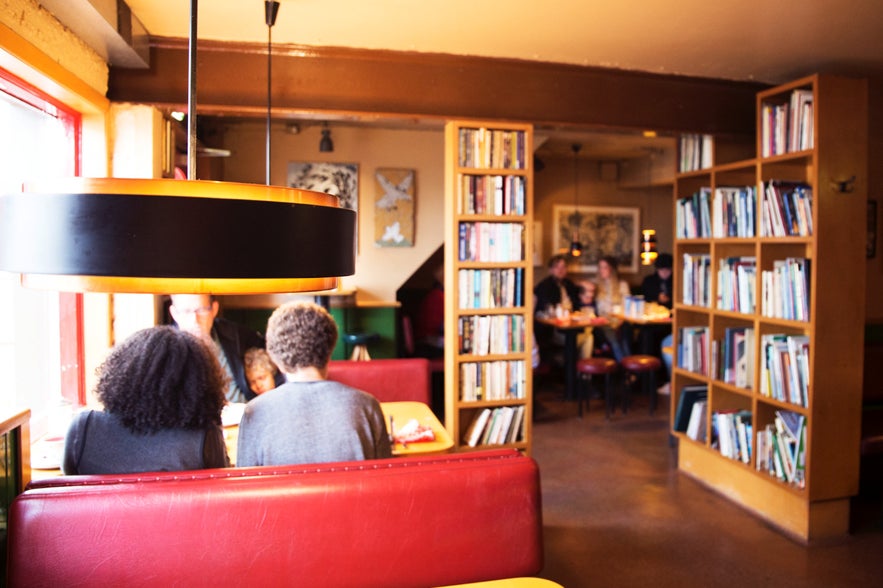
[(576, 247), (326, 145), (648, 247)]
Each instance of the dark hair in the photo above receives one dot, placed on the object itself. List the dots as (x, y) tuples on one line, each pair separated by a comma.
[(301, 334), (162, 378), (256, 357), (555, 259), (611, 261), (664, 261)]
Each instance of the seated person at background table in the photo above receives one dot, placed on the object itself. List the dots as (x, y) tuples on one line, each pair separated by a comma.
[(260, 371), (609, 299), (309, 419), (429, 324), (553, 290), (162, 391), (657, 286), (198, 314), (586, 340)]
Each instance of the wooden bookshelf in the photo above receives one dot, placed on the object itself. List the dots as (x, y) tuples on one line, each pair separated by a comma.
[(488, 281), (813, 503)]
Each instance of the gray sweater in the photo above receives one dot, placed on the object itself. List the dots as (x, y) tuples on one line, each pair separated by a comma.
[(98, 443), (311, 422)]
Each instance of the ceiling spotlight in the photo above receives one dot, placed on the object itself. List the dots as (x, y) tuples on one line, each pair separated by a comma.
[(326, 145)]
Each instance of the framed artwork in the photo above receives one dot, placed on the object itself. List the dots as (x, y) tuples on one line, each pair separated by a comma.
[(394, 199), (340, 179), (602, 230), (872, 229)]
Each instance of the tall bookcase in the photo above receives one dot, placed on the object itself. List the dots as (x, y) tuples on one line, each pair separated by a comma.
[(826, 156), (488, 284)]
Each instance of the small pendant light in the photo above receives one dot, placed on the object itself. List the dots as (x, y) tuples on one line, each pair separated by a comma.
[(576, 248)]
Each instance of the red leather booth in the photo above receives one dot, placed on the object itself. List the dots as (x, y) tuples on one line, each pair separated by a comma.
[(388, 380), (416, 521)]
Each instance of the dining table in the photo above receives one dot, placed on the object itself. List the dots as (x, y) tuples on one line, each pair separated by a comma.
[(650, 328), (571, 326), (400, 417)]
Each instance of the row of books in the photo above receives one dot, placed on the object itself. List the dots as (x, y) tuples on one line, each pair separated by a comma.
[(695, 152), (688, 396), (492, 380), (781, 448), (784, 371), (692, 352), (736, 279), (788, 126), (733, 357), (491, 288), (492, 148), (786, 209), (785, 289), (693, 215), (697, 279), (487, 241), (493, 194), (732, 434), (732, 211), (496, 426), (491, 334)]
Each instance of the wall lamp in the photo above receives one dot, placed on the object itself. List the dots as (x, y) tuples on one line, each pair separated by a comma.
[(326, 145)]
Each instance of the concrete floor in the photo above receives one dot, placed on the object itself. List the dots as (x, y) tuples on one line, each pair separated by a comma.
[(616, 512)]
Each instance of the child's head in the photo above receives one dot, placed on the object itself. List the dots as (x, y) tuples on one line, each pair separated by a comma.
[(587, 292), (260, 371)]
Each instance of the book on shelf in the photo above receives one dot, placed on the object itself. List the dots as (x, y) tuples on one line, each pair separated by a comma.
[(732, 430), (785, 368), (697, 279), (695, 151), (693, 349), (785, 289), (733, 211), (688, 397), (693, 215), (736, 362), (491, 148), (736, 278), (782, 448), (476, 427), (697, 426), (495, 426), (786, 209)]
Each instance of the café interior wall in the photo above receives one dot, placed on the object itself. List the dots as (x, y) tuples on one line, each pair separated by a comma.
[(380, 271), (554, 185)]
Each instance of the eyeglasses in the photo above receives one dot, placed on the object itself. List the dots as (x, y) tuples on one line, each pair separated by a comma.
[(202, 311)]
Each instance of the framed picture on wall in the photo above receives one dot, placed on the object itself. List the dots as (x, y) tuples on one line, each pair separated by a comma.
[(340, 179), (602, 230)]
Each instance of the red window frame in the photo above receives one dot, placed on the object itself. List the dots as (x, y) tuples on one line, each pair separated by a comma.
[(70, 305)]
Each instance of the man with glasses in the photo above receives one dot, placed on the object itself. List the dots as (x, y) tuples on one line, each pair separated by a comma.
[(198, 314)]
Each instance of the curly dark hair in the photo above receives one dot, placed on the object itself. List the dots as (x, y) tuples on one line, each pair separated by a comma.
[(162, 378), (301, 334)]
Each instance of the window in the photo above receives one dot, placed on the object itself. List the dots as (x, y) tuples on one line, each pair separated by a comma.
[(40, 332)]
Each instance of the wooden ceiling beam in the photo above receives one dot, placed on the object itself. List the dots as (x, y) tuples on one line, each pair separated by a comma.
[(232, 82)]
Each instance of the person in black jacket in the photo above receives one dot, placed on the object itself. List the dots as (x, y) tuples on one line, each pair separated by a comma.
[(554, 290), (198, 314)]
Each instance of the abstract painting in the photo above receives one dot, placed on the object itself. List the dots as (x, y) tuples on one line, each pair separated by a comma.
[(394, 207), (602, 230)]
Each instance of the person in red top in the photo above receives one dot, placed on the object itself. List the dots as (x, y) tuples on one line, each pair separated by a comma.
[(429, 324)]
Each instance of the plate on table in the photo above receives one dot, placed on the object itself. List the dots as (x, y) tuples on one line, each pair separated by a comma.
[(231, 414), (46, 454)]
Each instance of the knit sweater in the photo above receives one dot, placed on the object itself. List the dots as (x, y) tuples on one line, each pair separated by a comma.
[(311, 422)]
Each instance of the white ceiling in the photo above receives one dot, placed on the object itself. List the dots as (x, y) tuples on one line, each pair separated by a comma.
[(769, 41)]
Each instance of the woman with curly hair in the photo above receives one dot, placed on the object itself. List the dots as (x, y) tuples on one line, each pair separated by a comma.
[(162, 391), (309, 419)]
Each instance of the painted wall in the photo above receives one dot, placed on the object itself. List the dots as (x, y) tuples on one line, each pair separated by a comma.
[(379, 270)]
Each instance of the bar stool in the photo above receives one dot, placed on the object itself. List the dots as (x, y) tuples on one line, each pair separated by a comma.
[(597, 366), (360, 343), (643, 367)]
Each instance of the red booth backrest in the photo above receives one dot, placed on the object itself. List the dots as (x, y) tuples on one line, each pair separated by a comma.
[(386, 379), (415, 521)]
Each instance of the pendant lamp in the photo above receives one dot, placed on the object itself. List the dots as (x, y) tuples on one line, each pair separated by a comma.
[(175, 236), (576, 247)]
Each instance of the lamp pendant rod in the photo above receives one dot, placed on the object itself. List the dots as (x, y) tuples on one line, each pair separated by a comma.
[(191, 95), (269, 95)]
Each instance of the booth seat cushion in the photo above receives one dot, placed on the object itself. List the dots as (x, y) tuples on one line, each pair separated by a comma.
[(415, 521), (388, 380)]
